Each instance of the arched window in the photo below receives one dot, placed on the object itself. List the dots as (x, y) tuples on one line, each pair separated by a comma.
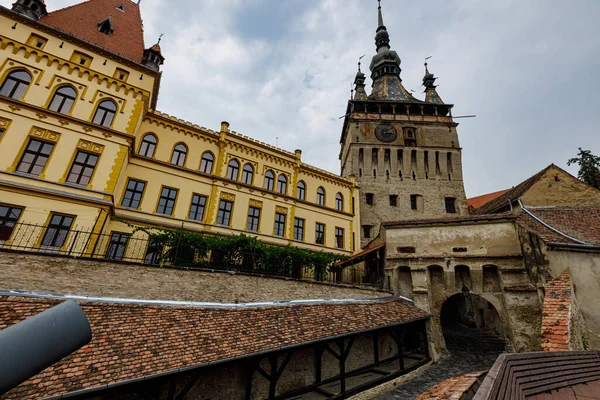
[(105, 113), (179, 154), (233, 170), (321, 196), (248, 174), (15, 84), (63, 100), (269, 180), (301, 190), (339, 202), (148, 145), (206, 164), (282, 184)]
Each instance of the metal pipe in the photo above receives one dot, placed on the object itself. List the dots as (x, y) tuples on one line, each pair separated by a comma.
[(36, 343), (548, 226), (574, 245)]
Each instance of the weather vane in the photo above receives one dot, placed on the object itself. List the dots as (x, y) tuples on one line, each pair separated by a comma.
[(427, 58), (160, 37), (360, 58)]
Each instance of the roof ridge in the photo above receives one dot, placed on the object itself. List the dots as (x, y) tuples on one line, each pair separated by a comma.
[(190, 304)]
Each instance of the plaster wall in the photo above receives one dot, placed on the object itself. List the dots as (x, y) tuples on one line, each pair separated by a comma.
[(557, 188), (585, 276)]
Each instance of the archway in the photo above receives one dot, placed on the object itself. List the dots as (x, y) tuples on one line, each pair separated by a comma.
[(470, 322)]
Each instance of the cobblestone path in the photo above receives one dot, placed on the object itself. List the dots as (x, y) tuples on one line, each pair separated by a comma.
[(458, 363)]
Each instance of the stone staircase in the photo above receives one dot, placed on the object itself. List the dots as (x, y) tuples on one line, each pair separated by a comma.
[(460, 337)]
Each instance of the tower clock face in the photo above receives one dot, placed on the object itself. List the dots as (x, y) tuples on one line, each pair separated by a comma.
[(386, 133)]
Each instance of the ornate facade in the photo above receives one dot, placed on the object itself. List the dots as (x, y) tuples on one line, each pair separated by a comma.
[(84, 147), (404, 152)]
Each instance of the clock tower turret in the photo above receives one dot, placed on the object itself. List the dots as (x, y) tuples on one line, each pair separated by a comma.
[(404, 152)]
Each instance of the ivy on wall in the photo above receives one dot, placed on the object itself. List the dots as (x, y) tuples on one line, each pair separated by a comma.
[(239, 253)]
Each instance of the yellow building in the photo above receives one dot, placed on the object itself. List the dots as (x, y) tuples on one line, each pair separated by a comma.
[(84, 150)]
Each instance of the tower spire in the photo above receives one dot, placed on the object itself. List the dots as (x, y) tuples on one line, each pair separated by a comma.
[(382, 38), (431, 94), (380, 19), (359, 83)]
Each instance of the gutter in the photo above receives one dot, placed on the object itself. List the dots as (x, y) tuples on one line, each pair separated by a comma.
[(574, 246), (580, 242)]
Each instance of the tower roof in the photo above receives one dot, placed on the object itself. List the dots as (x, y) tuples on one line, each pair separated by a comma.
[(385, 68), (81, 20), (431, 94)]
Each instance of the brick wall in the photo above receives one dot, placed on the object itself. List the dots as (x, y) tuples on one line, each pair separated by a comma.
[(556, 314), (19, 271)]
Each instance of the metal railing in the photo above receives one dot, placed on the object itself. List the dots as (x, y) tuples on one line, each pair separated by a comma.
[(139, 247)]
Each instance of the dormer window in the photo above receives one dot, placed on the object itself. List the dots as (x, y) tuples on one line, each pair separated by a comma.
[(121, 8), (106, 26)]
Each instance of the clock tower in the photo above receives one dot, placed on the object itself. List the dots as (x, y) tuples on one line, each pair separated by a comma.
[(404, 152)]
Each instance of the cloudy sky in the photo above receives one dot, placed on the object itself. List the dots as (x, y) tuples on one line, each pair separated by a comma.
[(280, 71)]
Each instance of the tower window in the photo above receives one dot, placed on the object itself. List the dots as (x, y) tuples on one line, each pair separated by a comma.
[(393, 200), (416, 202), (369, 198), (450, 205)]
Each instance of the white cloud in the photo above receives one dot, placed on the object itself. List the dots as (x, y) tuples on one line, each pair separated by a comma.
[(527, 69)]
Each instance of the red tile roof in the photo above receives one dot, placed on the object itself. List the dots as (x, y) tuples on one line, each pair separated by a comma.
[(582, 224), (555, 314), (133, 340), (81, 20), (478, 201), (452, 388)]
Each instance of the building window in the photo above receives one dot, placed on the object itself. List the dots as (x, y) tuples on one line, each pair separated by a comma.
[(339, 202), (35, 157), (166, 202), (393, 200), (148, 145), (269, 180), (321, 196), (248, 174), (9, 216), (154, 251), (282, 184), (339, 238), (233, 170), (206, 165), (298, 229), (301, 190), (320, 234), (416, 201), (450, 205), (121, 74), (57, 231), (224, 214), (179, 155), (15, 84), (63, 100), (83, 168), (117, 246), (253, 219), (279, 225), (369, 198), (105, 113), (197, 207), (366, 231), (133, 193)]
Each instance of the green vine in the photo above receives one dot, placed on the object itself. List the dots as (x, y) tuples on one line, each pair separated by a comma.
[(237, 253)]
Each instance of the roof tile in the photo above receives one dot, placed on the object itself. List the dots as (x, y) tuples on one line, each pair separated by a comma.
[(133, 340)]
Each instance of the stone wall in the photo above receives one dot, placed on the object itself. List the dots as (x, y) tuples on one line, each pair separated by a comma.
[(48, 273)]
